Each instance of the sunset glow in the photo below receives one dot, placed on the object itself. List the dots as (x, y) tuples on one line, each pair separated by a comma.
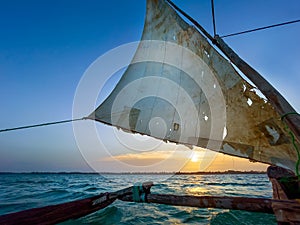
[(195, 157), (179, 160), (44, 59)]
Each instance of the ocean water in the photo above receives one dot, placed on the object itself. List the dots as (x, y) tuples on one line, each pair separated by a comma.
[(24, 191)]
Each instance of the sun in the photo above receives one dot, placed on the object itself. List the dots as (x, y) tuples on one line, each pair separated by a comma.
[(195, 157)]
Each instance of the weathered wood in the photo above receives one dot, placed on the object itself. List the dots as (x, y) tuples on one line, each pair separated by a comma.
[(235, 203), (279, 172), (286, 210), (61, 212), (285, 213), (57, 213), (278, 192), (275, 173), (280, 104)]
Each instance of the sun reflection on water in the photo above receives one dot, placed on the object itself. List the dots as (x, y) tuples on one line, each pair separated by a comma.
[(200, 190)]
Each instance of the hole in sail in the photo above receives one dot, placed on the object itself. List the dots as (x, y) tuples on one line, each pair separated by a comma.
[(206, 53), (174, 38), (244, 88), (215, 85), (259, 93), (273, 132), (224, 132), (249, 101), (205, 118)]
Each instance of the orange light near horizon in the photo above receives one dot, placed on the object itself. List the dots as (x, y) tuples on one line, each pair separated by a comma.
[(195, 157), (180, 160)]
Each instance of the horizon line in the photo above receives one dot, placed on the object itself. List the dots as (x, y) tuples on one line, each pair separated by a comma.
[(141, 173)]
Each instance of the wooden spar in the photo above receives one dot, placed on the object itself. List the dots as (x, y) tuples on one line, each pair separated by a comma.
[(222, 202), (71, 210), (281, 105)]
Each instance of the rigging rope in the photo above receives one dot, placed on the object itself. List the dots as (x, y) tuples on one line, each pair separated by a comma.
[(260, 28), (227, 35), (41, 125), (293, 141), (213, 16), (192, 20)]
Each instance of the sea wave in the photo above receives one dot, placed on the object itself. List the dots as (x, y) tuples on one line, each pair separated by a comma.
[(24, 191)]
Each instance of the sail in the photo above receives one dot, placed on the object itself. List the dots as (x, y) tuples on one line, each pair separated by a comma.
[(179, 89)]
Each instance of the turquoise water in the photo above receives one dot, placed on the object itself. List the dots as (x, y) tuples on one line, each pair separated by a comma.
[(24, 191)]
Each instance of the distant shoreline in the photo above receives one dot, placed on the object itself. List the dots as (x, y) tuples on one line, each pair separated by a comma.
[(144, 173)]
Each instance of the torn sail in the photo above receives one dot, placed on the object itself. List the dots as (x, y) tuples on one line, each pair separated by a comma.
[(178, 88)]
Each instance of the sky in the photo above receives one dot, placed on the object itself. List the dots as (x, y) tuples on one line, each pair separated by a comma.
[(46, 47)]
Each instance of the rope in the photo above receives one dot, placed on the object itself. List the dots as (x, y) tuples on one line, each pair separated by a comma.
[(213, 16), (40, 125), (298, 153), (228, 35), (192, 20), (287, 114), (139, 192), (260, 28), (293, 141)]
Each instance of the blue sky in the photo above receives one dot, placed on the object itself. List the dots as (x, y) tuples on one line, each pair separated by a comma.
[(46, 46)]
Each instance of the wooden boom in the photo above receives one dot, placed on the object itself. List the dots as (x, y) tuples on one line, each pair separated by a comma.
[(262, 205)]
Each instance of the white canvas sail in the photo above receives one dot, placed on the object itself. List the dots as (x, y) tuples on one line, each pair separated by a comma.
[(178, 88)]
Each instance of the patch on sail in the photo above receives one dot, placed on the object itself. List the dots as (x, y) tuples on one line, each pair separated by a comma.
[(273, 133), (237, 149), (178, 88), (133, 118)]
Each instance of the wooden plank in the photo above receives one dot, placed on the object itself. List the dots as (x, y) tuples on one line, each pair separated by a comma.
[(61, 212), (285, 213), (278, 192), (55, 213), (289, 209), (275, 173), (235, 203)]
